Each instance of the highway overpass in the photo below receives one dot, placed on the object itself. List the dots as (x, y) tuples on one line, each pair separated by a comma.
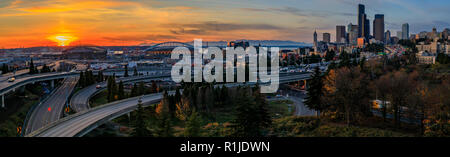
[(6, 87), (81, 123), (51, 108), (80, 100)]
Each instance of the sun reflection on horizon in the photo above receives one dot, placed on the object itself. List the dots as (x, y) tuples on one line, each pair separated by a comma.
[(63, 39)]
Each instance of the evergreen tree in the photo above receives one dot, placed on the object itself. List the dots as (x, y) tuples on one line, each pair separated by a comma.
[(121, 91), (193, 125), (443, 58), (36, 70), (32, 68), (89, 78), (126, 71), (313, 100), (45, 69), (154, 88), (362, 64), (200, 99), (100, 76), (82, 80), (134, 91), (109, 88), (261, 112), (330, 55), (115, 90), (224, 95), (209, 99), (112, 89), (140, 129), (5, 69), (245, 124), (135, 72), (141, 88), (345, 59), (164, 128)]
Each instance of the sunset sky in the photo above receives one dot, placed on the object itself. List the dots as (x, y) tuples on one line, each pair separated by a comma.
[(27, 23)]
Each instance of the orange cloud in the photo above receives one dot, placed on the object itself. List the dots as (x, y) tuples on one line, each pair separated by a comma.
[(114, 22)]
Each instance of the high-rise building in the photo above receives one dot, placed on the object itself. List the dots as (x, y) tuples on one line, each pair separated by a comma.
[(315, 38), (445, 33), (399, 34), (434, 33), (361, 42), (340, 34), (405, 31), (326, 37), (361, 19), (366, 28), (378, 27), (352, 33), (387, 36), (363, 23)]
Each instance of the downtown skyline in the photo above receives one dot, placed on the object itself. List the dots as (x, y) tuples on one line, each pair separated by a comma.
[(29, 23)]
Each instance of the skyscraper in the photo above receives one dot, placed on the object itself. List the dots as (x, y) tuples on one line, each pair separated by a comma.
[(340, 34), (387, 36), (366, 28), (315, 39), (352, 33), (326, 37), (405, 31), (363, 23), (399, 34), (361, 19), (378, 27)]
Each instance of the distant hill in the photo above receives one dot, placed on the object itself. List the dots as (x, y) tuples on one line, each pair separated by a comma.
[(258, 42), (280, 43)]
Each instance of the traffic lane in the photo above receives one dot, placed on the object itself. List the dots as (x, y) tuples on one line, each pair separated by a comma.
[(51, 109), (76, 124)]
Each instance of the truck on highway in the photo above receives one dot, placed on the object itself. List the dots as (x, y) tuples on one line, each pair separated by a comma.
[(12, 79)]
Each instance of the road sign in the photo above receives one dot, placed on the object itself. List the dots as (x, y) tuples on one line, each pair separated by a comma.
[(19, 130), (67, 109)]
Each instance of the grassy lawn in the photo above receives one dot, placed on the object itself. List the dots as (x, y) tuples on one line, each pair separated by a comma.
[(281, 108), (99, 99), (312, 127)]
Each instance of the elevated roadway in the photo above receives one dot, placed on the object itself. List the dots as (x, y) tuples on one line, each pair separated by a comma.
[(81, 123), (51, 109)]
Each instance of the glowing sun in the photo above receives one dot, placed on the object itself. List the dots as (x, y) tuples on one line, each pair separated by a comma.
[(62, 39)]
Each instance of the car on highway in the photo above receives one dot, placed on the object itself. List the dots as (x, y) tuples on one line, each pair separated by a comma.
[(12, 79), (98, 86)]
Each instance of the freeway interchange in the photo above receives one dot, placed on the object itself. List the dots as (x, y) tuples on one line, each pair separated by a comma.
[(82, 122), (45, 120)]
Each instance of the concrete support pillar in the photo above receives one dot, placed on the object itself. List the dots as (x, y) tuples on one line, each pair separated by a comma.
[(306, 85), (52, 84), (3, 101), (129, 119)]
